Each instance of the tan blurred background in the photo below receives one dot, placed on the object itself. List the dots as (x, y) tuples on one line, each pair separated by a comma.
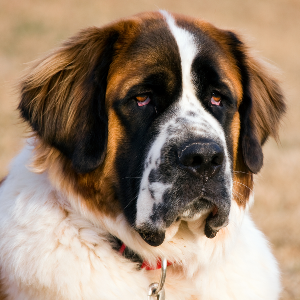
[(29, 28)]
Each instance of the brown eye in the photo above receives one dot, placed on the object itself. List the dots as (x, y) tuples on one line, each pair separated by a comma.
[(142, 100), (215, 99)]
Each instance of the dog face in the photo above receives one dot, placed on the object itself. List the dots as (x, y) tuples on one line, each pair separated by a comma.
[(176, 134), (159, 117)]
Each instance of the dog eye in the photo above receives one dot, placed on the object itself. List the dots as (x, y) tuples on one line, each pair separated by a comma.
[(215, 99), (142, 100)]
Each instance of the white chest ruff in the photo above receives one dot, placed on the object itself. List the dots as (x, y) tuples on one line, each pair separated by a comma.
[(51, 252), (147, 131)]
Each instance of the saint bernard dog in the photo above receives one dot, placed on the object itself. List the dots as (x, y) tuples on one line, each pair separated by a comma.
[(146, 136)]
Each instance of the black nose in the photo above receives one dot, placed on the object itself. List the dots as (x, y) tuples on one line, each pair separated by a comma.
[(201, 157)]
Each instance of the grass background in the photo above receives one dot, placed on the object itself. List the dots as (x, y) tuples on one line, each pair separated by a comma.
[(29, 28)]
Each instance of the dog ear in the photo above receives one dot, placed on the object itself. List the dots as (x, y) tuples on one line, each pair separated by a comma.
[(63, 97), (261, 108)]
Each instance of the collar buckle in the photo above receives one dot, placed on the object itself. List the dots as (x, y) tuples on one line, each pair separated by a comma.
[(156, 290)]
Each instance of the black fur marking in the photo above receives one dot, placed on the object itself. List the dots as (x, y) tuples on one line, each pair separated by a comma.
[(152, 192), (160, 70), (157, 162), (208, 77), (250, 145), (153, 176), (90, 149)]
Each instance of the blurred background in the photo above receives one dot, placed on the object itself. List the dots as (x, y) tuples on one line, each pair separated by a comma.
[(29, 28)]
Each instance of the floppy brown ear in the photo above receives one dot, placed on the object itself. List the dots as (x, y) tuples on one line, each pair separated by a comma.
[(63, 97), (261, 108)]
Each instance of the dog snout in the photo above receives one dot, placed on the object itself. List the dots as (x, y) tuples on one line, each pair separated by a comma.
[(201, 157)]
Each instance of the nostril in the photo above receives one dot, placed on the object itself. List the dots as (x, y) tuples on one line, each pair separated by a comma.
[(191, 159), (197, 161), (203, 156), (217, 159)]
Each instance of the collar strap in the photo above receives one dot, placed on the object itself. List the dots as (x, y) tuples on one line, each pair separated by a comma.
[(144, 264)]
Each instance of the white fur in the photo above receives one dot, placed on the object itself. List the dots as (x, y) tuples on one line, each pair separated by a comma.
[(187, 49), (203, 124), (51, 247), (50, 251)]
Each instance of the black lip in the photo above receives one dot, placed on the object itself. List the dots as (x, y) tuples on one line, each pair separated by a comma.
[(152, 237), (214, 223)]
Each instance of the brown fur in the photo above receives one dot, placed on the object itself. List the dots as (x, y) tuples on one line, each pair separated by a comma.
[(267, 107), (55, 89), (94, 189), (267, 102)]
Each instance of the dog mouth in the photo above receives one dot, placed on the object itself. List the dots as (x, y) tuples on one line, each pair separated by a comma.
[(217, 218), (214, 222)]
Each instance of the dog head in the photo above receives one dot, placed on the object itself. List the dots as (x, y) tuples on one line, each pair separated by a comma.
[(160, 117)]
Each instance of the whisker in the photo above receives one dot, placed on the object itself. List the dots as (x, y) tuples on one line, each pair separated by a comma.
[(131, 201), (241, 172), (236, 192), (243, 185), (235, 195)]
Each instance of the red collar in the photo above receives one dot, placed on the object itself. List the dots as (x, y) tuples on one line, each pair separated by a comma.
[(145, 265)]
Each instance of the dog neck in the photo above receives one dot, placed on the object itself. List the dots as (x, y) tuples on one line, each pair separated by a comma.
[(135, 257)]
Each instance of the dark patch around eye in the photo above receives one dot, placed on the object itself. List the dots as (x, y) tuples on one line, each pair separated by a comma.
[(205, 74), (156, 62)]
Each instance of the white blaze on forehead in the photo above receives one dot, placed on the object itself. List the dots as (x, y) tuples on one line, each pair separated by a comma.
[(187, 49), (202, 125)]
